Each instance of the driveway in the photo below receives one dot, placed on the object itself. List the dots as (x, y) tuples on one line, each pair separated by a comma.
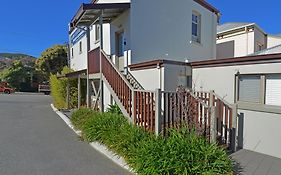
[(35, 141)]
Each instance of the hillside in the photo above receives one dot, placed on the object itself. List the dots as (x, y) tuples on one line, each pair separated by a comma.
[(6, 59)]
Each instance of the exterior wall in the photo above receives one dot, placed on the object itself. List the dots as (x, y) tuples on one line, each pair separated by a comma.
[(222, 79), (260, 38), (79, 60), (173, 75), (261, 128), (150, 79), (106, 97), (121, 24), (225, 49), (243, 43), (162, 29), (273, 41), (262, 132)]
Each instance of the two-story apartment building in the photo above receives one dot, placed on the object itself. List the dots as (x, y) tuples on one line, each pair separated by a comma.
[(151, 40), (124, 48)]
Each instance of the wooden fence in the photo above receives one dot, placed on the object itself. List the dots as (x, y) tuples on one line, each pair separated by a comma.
[(224, 113), (158, 111)]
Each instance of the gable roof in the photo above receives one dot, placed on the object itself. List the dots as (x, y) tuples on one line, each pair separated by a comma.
[(232, 25), (272, 50)]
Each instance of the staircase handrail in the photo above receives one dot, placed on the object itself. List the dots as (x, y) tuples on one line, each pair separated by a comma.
[(119, 73)]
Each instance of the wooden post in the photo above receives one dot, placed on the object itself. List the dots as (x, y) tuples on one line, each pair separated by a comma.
[(158, 104), (133, 117), (213, 124), (88, 97), (234, 130), (79, 92)]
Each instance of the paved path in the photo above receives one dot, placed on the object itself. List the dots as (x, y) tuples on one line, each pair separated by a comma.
[(252, 163), (35, 141)]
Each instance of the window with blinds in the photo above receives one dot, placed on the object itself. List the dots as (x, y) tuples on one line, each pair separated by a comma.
[(249, 88), (273, 90)]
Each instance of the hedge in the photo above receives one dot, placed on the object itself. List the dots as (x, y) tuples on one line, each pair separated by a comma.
[(59, 93), (182, 153)]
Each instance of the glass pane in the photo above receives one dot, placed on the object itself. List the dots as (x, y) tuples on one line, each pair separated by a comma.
[(194, 29), (249, 88), (194, 18)]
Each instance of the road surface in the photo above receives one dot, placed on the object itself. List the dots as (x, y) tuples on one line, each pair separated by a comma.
[(35, 141)]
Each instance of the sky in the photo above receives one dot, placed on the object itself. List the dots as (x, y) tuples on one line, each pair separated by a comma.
[(29, 26)]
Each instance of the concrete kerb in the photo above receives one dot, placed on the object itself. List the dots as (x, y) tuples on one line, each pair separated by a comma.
[(96, 145)]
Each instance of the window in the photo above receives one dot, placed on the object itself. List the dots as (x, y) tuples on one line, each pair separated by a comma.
[(196, 27), (273, 90), (97, 32), (72, 52), (259, 47), (249, 88), (262, 89), (80, 47)]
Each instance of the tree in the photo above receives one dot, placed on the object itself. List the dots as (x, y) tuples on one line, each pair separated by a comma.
[(52, 60), (17, 74)]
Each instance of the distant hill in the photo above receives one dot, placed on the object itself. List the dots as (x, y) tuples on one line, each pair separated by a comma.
[(6, 59)]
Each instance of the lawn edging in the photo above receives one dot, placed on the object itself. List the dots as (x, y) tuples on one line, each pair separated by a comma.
[(96, 145)]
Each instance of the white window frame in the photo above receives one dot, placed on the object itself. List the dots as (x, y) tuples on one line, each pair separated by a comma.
[(194, 38), (263, 89)]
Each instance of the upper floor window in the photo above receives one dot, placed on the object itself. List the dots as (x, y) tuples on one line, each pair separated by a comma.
[(196, 27), (259, 47), (97, 32), (80, 47)]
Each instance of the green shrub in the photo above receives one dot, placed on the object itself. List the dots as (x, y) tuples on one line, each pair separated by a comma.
[(181, 153), (114, 109), (59, 93)]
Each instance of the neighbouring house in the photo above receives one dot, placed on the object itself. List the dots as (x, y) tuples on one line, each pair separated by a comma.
[(136, 53), (273, 40), (239, 39), (236, 39)]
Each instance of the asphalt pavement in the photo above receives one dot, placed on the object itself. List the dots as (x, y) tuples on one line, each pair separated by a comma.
[(35, 141)]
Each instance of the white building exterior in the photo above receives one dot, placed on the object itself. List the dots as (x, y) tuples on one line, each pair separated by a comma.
[(273, 40), (164, 44), (239, 39), (253, 83)]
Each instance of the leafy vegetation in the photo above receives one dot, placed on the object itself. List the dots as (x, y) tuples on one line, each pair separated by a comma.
[(59, 92), (52, 60), (182, 153), (114, 109), (20, 76)]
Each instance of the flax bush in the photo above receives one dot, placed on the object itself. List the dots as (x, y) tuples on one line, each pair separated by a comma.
[(182, 153)]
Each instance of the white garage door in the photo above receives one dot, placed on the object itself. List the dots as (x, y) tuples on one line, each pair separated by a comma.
[(273, 90)]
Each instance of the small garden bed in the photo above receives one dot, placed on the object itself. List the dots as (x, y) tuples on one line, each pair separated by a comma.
[(182, 153)]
